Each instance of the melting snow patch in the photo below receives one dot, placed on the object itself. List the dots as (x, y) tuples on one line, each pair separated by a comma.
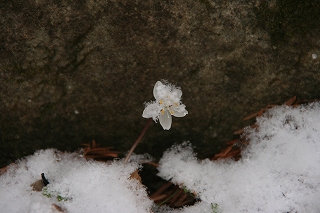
[(279, 170), (75, 185)]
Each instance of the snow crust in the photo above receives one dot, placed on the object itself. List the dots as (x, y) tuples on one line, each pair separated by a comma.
[(86, 186), (279, 170)]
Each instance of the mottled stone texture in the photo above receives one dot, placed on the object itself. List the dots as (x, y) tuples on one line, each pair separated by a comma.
[(73, 71)]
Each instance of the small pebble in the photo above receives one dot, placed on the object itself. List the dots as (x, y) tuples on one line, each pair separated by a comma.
[(314, 56)]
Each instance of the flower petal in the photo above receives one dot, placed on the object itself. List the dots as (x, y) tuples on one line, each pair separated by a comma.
[(179, 111), (165, 120), (162, 91), (152, 110), (156, 89), (176, 94)]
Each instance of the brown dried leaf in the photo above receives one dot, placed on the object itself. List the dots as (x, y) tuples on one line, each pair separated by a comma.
[(92, 150), (239, 131), (232, 142), (58, 208), (37, 186), (224, 152), (135, 175), (251, 116), (290, 101)]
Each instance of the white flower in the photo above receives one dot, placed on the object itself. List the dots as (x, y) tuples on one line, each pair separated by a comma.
[(167, 103)]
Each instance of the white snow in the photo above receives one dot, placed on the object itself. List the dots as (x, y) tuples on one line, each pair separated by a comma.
[(279, 170), (87, 186)]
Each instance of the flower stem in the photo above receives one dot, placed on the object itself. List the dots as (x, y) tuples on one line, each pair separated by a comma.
[(138, 139)]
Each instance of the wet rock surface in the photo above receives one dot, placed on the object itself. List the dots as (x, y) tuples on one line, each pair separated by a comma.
[(72, 72)]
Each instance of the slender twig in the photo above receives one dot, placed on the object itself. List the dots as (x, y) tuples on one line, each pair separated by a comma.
[(138, 139)]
